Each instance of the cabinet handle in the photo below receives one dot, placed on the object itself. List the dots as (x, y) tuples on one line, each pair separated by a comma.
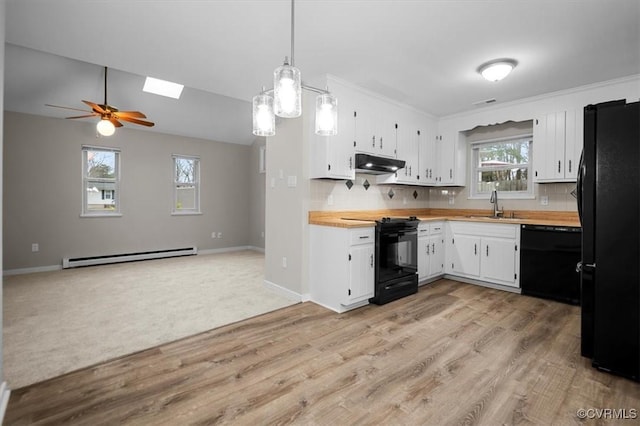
[(569, 166), (409, 170), (364, 237), (558, 166), (373, 144), (450, 173), (372, 261), (350, 163), (433, 248), (427, 249), (430, 173), (487, 250), (475, 249), (380, 142)]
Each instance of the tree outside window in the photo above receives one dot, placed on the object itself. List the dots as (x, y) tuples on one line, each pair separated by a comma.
[(101, 181), (186, 188), (502, 165)]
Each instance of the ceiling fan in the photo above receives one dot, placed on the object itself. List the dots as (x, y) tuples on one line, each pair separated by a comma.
[(110, 116)]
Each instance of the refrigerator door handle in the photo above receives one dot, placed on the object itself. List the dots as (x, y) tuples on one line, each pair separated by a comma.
[(585, 267), (579, 185)]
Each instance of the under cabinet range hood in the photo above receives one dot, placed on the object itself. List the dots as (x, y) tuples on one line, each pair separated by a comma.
[(371, 164)]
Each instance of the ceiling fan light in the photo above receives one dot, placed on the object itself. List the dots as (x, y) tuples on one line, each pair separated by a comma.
[(105, 127), (326, 115), (264, 120), (287, 85), (497, 70)]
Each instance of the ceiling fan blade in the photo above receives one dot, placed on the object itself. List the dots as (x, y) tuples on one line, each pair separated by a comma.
[(97, 108), (64, 107), (82, 116), (134, 114), (115, 121), (135, 121)]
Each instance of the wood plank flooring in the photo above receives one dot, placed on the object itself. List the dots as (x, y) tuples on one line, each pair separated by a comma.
[(452, 354)]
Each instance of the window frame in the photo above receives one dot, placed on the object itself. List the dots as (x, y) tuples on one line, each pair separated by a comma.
[(474, 169), (174, 209), (86, 212)]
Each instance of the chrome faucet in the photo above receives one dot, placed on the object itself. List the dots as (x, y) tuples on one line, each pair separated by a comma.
[(494, 200)]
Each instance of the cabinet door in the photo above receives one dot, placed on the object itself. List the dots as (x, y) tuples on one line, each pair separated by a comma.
[(574, 142), (445, 146), (465, 255), (499, 260), (436, 255), (364, 115), (386, 131), (407, 150), (361, 273), (423, 258), (427, 161)]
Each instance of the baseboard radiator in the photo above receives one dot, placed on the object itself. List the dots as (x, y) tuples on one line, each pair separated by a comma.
[(127, 257)]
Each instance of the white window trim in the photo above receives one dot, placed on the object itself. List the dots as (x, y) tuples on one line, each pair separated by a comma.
[(185, 212), (505, 195), (85, 180)]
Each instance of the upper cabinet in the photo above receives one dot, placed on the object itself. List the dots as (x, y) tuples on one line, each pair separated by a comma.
[(333, 156), (375, 126), (557, 143), (451, 156)]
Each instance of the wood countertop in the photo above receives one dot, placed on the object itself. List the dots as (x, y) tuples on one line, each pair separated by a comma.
[(366, 218)]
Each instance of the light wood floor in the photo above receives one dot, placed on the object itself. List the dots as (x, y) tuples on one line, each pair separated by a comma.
[(451, 354)]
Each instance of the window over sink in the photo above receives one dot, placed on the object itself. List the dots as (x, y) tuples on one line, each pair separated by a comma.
[(502, 165)]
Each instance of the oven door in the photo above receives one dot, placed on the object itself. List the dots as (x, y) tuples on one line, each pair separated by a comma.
[(396, 253)]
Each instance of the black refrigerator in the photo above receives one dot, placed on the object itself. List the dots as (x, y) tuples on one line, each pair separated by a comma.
[(608, 193)]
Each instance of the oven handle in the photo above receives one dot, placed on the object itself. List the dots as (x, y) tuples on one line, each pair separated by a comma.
[(401, 234), (397, 285)]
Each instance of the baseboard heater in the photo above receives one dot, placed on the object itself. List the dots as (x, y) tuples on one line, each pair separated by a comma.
[(127, 257)]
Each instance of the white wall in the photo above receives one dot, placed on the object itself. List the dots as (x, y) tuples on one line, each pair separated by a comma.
[(42, 193), (257, 195)]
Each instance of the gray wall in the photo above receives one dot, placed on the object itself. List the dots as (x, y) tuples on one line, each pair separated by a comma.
[(256, 213), (42, 193), (2, 25)]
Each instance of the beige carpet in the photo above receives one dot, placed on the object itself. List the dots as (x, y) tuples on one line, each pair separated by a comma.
[(56, 322)]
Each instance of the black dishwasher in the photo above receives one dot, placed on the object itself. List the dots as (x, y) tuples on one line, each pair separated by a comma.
[(548, 258)]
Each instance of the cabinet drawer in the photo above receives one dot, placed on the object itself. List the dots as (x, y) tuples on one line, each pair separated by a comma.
[(362, 236), (436, 228)]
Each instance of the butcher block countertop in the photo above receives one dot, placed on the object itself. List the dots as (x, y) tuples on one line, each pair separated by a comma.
[(365, 218)]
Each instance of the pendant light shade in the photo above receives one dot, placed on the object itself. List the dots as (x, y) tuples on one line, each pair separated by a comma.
[(106, 127), (326, 115), (287, 85), (264, 120)]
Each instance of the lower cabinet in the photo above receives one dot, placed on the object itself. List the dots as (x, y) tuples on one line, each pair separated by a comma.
[(342, 266), (483, 251), (430, 250)]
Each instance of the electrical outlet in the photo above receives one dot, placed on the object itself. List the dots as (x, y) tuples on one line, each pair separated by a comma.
[(330, 200), (284, 262), (219, 234), (544, 200), (35, 247), (404, 200), (452, 200)]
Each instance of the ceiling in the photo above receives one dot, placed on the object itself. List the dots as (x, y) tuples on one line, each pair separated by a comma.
[(422, 53)]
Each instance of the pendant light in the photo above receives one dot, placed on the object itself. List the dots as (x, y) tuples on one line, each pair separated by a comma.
[(285, 99)]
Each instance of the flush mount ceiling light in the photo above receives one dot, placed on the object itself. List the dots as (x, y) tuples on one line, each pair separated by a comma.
[(162, 88), (498, 69), (285, 99)]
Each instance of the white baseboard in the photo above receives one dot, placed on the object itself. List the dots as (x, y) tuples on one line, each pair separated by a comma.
[(21, 271), (484, 283), (5, 393), (285, 292), (255, 248)]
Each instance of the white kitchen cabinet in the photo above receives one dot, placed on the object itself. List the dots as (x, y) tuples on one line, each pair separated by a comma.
[(342, 266), (428, 160), (375, 126), (557, 143), (430, 250), (483, 251), (451, 158), (333, 156)]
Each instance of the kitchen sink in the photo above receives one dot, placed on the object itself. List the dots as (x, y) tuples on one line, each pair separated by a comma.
[(490, 217)]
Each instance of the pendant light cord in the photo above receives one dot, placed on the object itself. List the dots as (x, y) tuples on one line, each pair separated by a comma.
[(105, 85), (292, 31)]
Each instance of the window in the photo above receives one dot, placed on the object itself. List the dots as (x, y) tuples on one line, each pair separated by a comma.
[(502, 165), (186, 185), (101, 181)]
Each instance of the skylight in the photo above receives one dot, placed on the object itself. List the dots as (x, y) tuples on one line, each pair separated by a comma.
[(163, 88)]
